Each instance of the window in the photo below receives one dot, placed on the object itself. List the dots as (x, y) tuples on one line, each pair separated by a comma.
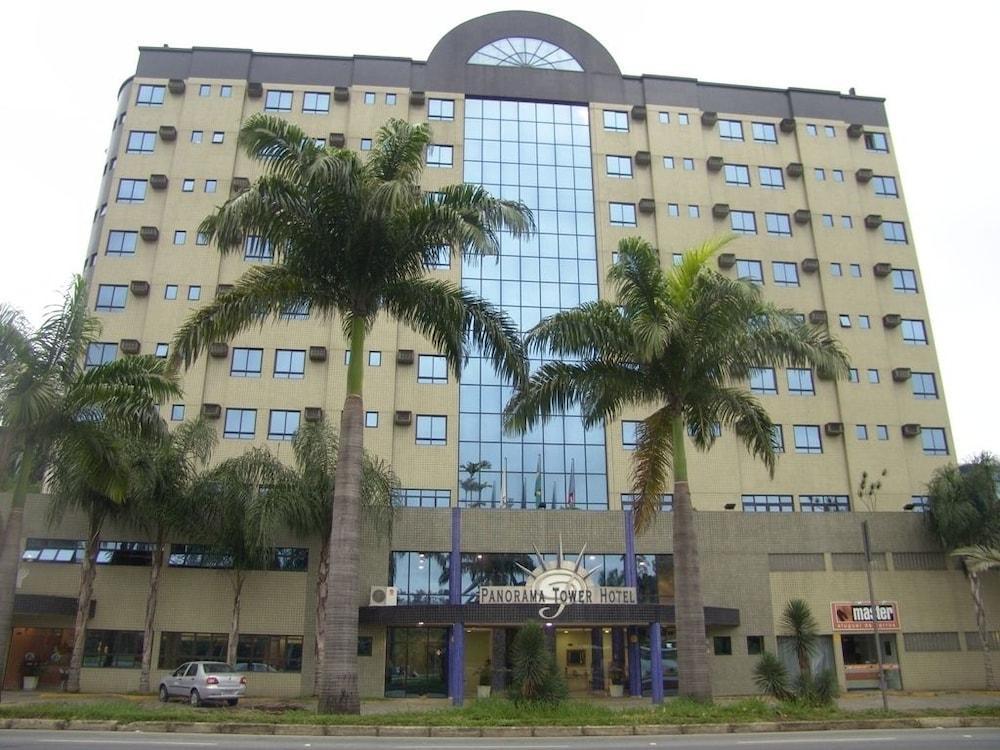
[(785, 274), (616, 121), (439, 156), (777, 438), (678, 259), (178, 648), (921, 504), (764, 132), (847, 222), (131, 191), (771, 177), (628, 502), (150, 95), (743, 222), (885, 186), (877, 142), (269, 653), (824, 503), (716, 430), (737, 174), (289, 364), (103, 210), (257, 249), (694, 212), (835, 270), (722, 645), (432, 368), (369, 97), (838, 175), (112, 648), (282, 424), (225, 91), (278, 101), (440, 109), (800, 381), (120, 242), (194, 293), (731, 130), (668, 162), (750, 270), (755, 645), (924, 385), (218, 136), (619, 166), (211, 186), (201, 238), (622, 214), (778, 224), (240, 424), (246, 363), (861, 431), (820, 174), (673, 210), (180, 236), (366, 144), (52, 550), (420, 498), (688, 164), (315, 103), (882, 431), (864, 322), (845, 320), (934, 441), (829, 131), (205, 89), (440, 258), (904, 280), (177, 413), (162, 350), (873, 376), (197, 136), (320, 142), (296, 311), (170, 291), (100, 353), (894, 232), (767, 504), (810, 129), (374, 358), (432, 429), (827, 220), (630, 429), (141, 142), (914, 332), (852, 375), (762, 381), (187, 186), (111, 297), (682, 118), (807, 439)]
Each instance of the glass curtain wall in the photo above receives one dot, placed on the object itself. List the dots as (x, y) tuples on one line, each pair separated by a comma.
[(540, 154)]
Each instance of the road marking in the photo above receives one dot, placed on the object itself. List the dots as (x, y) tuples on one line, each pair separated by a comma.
[(817, 741), (133, 742)]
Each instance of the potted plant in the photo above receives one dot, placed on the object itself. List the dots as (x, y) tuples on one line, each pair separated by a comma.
[(485, 680), (617, 676), (30, 669)]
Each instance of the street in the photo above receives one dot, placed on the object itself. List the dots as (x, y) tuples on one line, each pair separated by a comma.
[(901, 739)]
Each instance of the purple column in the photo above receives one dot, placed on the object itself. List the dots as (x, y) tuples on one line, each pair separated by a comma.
[(634, 656), (456, 654), (656, 661)]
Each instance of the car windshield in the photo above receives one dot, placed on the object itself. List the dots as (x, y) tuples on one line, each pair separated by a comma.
[(217, 667)]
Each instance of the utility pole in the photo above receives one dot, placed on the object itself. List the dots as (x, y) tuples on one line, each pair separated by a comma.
[(871, 602)]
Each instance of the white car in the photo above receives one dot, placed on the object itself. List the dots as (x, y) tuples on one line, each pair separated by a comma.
[(202, 682)]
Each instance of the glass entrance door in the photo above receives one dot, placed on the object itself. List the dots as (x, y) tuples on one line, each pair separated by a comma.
[(861, 661)]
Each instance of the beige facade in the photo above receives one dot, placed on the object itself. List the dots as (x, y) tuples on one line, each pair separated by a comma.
[(680, 147)]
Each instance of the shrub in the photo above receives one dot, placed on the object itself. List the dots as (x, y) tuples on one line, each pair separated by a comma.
[(535, 677), (771, 677)]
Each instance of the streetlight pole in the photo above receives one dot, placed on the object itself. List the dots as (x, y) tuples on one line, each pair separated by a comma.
[(871, 603)]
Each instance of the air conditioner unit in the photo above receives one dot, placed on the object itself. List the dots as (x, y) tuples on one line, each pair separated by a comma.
[(382, 596)]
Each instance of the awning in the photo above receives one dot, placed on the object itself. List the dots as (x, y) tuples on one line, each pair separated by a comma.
[(45, 604)]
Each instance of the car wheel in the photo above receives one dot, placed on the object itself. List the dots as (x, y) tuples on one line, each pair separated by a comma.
[(164, 695), (232, 701), (195, 699)]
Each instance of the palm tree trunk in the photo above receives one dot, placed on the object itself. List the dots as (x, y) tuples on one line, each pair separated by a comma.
[(234, 624), (10, 553), (984, 636), (151, 601), (88, 573), (338, 684), (322, 581), (692, 658)]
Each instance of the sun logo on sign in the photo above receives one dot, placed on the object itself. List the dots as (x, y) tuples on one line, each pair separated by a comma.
[(561, 581)]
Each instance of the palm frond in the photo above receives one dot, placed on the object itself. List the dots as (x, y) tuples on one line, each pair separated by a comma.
[(737, 409), (979, 559), (651, 465), (590, 330)]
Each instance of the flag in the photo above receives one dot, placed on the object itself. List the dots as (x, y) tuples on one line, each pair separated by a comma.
[(524, 494), (504, 500), (493, 495), (539, 500), (571, 492), (552, 503)]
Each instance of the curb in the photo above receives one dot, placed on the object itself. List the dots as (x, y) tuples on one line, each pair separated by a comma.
[(622, 730)]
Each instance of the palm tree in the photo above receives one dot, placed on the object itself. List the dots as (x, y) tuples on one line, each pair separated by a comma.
[(51, 404), (682, 342), (964, 512), (354, 239), (798, 619), (306, 492), (160, 503)]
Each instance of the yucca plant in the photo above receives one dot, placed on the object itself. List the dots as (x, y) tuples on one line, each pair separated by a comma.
[(534, 675)]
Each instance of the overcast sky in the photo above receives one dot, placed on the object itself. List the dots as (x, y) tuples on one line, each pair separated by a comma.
[(63, 63)]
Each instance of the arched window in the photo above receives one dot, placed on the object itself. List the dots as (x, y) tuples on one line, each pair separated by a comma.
[(524, 52)]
